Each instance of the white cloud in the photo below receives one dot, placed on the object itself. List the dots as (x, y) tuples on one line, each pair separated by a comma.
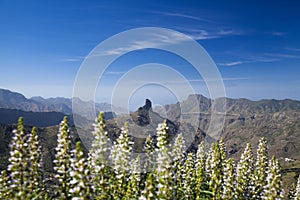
[(157, 41), (160, 40), (229, 64), (252, 59)]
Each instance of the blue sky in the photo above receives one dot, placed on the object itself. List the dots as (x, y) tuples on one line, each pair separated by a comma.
[(255, 45)]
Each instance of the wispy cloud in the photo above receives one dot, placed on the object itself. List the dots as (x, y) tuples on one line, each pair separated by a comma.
[(114, 72), (210, 33), (229, 64), (278, 33), (264, 59), (168, 38), (202, 35), (207, 28), (282, 55), (292, 49), (252, 59), (154, 41), (208, 80), (181, 15)]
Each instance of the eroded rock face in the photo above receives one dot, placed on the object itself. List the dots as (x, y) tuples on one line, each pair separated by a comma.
[(148, 105), (141, 116)]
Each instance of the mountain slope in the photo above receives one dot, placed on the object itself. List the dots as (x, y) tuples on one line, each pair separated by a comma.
[(247, 121), (39, 119), (48, 139)]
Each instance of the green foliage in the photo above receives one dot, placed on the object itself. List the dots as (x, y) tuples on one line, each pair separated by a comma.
[(149, 149), (35, 158), (261, 168), (19, 163), (273, 188), (228, 187), (4, 187), (120, 156), (174, 173), (200, 171), (163, 170), (178, 151), (297, 190), (244, 179), (24, 177), (133, 189), (98, 159), (215, 168), (189, 182), (63, 160), (80, 184), (149, 191)]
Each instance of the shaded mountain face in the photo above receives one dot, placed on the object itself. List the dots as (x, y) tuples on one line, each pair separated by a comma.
[(38, 119), (41, 119), (48, 139)]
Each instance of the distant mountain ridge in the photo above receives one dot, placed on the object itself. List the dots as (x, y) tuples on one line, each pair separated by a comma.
[(233, 106), (14, 100), (247, 121)]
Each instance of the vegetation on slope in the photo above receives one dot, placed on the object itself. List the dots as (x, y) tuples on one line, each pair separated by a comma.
[(113, 172)]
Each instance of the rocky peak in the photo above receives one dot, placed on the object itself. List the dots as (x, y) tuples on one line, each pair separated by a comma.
[(141, 116), (147, 106)]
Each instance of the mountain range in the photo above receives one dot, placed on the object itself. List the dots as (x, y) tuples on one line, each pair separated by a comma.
[(14, 100), (245, 121)]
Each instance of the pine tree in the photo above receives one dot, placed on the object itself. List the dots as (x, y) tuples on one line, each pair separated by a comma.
[(229, 180), (80, 185), (200, 171), (164, 175), (178, 150), (98, 159), (244, 178), (63, 159), (120, 156), (261, 168), (18, 167), (273, 188), (189, 177)]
